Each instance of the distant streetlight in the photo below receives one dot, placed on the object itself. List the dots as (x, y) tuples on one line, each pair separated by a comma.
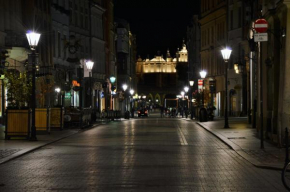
[(203, 75), (182, 94), (191, 83), (90, 65), (33, 39), (226, 53), (112, 79), (186, 89), (57, 90), (125, 86)]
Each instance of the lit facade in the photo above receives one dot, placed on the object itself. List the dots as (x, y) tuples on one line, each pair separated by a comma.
[(213, 39), (158, 76)]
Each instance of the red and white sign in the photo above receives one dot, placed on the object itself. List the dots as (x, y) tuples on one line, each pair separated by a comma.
[(261, 25), (200, 84)]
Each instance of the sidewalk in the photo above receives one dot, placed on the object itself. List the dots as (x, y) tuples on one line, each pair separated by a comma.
[(244, 140), (10, 149)]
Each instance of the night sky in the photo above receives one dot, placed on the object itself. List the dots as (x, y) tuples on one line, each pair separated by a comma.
[(158, 25)]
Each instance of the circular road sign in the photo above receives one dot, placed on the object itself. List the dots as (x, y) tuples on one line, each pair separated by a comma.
[(261, 25)]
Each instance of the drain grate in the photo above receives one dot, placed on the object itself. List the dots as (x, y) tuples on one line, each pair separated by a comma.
[(236, 137)]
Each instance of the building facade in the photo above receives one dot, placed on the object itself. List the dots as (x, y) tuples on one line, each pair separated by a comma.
[(159, 77), (213, 27)]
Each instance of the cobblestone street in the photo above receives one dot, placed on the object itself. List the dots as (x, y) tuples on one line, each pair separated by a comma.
[(145, 154)]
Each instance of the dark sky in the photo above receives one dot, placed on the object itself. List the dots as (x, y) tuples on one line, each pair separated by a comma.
[(158, 24)]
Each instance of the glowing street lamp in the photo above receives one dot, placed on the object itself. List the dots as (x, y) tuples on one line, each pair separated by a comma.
[(33, 39), (226, 53), (203, 75)]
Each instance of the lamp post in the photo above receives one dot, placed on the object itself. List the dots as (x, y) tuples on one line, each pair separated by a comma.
[(191, 83), (33, 39), (226, 53), (186, 89), (112, 80), (90, 65), (203, 75), (57, 90), (132, 100), (125, 86)]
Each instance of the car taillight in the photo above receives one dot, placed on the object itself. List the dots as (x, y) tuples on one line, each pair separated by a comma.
[(145, 111)]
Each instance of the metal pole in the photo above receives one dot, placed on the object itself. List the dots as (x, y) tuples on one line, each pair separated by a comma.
[(202, 93), (90, 74), (226, 104), (261, 99), (33, 98), (287, 146)]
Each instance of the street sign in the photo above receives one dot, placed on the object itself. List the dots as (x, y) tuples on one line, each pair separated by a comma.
[(200, 84), (259, 37), (261, 25)]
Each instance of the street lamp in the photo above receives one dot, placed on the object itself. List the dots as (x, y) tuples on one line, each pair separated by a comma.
[(125, 86), (203, 75), (112, 79), (57, 90), (191, 83), (226, 53), (33, 39), (90, 65), (186, 89), (132, 102)]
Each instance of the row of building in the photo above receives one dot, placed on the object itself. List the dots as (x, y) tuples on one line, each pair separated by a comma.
[(258, 84), (72, 32)]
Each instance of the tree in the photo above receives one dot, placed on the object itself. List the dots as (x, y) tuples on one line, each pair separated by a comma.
[(18, 88)]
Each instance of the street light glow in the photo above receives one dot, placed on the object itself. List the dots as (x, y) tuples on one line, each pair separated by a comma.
[(203, 74), (125, 86), (131, 91), (33, 38), (89, 64), (182, 93), (57, 89), (186, 89), (226, 53), (191, 83), (112, 79)]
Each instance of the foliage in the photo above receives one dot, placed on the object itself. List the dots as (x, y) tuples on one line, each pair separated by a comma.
[(44, 85), (18, 88)]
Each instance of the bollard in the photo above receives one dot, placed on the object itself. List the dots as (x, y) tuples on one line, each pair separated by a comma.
[(287, 146)]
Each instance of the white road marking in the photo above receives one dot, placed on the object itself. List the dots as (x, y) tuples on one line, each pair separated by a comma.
[(181, 137)]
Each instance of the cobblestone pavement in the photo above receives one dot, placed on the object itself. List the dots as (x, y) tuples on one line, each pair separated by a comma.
[(146, 154)]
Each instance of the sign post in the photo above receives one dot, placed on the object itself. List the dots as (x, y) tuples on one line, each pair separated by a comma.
[(261, 26)]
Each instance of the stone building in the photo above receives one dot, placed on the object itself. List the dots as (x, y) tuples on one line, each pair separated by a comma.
[(213, 28), (158, 77), (274, 65)]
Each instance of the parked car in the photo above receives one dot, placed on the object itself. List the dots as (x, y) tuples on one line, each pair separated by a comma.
[(142, 112)]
